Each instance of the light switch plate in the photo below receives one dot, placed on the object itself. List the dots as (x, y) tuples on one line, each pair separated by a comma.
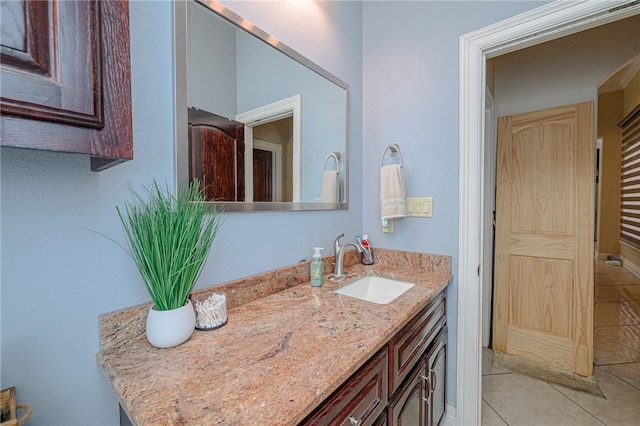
[(420, 206)]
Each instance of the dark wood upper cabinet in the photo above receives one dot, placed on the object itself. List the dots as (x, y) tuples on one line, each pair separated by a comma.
[(66, 78)]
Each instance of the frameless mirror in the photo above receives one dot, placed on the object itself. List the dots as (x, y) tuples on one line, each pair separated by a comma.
[(262, 126)]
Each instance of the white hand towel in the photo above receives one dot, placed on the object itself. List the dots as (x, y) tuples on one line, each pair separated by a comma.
[(393, 192), (329, 192)]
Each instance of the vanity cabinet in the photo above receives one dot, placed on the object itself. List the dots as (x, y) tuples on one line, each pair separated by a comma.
[(403, 384), (66, 78)]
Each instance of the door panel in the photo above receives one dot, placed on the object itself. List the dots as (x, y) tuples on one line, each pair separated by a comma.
[(543, 305), (262, 175)]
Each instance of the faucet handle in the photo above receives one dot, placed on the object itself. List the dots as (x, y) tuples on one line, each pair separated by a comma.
[(336, 244)]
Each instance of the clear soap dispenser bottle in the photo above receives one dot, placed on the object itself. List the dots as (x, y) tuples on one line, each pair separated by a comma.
[(317, 268)]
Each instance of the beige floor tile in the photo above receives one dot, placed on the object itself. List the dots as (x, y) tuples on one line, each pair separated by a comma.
[(606, 351), (630, 373), (626, 335), (621, 405), (487, 364), (521, 400), (615, 313), (619, 292), (490, 417), (616, 279)]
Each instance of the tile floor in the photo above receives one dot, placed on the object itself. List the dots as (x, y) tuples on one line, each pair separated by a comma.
[(512, 399)]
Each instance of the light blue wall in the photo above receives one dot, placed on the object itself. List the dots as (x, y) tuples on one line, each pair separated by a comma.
[(410, 86), (211, 62), (57, 276)]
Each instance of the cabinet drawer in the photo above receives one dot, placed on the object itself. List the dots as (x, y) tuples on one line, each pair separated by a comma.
[(360, 400), (406, 348)]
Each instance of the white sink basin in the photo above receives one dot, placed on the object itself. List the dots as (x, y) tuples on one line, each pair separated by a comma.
[(375, 289)]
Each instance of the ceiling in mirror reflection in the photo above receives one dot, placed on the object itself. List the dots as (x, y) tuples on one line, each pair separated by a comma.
[(231, 76)]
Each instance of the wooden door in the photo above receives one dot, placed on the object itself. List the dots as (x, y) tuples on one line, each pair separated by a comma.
[(262, 175), (213, 159), (543, 307)]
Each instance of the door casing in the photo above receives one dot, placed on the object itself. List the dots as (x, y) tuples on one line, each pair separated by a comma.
[(548, 22)]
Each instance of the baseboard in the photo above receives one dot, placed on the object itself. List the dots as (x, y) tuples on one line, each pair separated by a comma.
[(450, 416), (603, 256), (632, 267)]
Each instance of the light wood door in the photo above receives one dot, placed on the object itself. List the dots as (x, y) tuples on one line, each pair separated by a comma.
[(543, 288)]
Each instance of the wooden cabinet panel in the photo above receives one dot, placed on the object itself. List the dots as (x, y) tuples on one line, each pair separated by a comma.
[(435, 374), (361, 400), (408, 406), (421, 398), (66, 78), (382, 420), (410, 343)]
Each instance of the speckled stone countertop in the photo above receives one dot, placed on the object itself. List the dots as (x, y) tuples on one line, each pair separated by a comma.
[(278, 357)]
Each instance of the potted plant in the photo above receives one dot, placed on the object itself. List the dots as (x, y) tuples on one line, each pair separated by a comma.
[(169, 237)]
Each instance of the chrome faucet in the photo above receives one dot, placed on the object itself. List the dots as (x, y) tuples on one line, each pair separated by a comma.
[(336, 246), (339, 273)]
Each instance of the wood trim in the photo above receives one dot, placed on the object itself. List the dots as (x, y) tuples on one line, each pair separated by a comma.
[(114, 144), (630, 116)]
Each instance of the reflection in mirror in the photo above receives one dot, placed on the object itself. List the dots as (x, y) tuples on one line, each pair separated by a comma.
[(266, 127)]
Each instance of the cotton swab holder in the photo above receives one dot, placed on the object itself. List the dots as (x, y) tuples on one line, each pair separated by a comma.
[(211, 313)]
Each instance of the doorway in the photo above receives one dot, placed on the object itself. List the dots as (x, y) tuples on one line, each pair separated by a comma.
[(548, 22)]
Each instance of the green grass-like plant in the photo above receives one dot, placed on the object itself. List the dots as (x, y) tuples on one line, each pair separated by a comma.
[(169, 238)]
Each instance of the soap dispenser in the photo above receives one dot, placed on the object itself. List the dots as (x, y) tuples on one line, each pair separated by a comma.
[(317, 268)]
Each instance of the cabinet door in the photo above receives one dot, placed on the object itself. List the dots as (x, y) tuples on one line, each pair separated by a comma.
[(410, 405), (65, 78), (435, 375)]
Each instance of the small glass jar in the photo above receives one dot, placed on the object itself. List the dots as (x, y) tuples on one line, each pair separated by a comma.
[(211, 311)]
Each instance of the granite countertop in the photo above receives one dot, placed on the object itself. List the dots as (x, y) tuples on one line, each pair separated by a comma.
[(273, 363)]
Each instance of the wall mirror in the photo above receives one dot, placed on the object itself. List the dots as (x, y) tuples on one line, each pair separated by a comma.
[(261, 125)]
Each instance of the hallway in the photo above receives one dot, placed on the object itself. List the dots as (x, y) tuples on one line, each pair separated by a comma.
[(513, 399)]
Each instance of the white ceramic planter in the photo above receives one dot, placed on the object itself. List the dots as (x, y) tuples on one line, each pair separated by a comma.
[(170, 328)]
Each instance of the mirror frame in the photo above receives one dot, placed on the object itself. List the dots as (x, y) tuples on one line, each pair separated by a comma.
[(181, 154)]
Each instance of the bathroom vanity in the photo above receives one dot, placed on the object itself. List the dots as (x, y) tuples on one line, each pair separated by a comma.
[(294, 354)]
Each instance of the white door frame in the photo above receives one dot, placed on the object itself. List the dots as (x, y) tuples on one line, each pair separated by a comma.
[(286, 107), (489, 206), (539, 25)]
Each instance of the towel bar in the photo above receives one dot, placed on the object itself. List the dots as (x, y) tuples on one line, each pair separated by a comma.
[(394, 149), (336, 156)]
